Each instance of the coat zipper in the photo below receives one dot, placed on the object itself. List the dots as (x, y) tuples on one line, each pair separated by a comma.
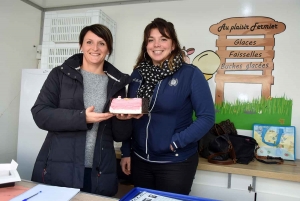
[(107, 101), (98, 167), (147, 128), (146, 151), (46, 164), (99, 173)]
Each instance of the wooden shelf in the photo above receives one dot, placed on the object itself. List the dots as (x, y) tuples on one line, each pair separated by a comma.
[(289, 170)]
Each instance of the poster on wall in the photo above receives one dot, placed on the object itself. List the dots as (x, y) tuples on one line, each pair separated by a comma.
[(242, 68)]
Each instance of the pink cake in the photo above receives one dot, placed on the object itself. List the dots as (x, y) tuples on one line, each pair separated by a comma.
[(129, 105)]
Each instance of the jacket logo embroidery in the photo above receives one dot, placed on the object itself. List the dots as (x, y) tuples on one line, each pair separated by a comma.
[(136, 80), (173, 82)]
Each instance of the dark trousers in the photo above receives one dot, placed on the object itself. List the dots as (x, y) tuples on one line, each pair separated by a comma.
[(169, 177), (87, 182)]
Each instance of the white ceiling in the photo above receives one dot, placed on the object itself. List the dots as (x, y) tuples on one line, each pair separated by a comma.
[(50, 4), (59, 3)]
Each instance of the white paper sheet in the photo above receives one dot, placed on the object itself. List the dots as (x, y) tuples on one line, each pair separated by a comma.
[(48, 193)]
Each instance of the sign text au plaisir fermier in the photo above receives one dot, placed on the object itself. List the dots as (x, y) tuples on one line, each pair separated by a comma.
[(256, 26)]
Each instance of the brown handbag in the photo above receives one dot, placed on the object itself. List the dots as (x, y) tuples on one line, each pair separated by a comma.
[(228, 127), (222, 145), (224, 127), (230, 149)]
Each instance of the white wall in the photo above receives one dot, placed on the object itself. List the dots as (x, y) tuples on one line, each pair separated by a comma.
[(19, 32)]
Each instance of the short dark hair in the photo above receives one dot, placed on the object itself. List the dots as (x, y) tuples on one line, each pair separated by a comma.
[(167, 30), (101, 31)]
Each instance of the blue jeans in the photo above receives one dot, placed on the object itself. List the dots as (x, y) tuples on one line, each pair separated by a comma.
[(169, 177)]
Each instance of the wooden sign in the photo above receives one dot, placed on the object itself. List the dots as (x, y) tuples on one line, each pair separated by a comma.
[(247, 26), (245, 29), (249, 42), (246, 54)]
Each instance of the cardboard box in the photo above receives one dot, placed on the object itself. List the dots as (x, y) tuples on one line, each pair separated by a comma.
[(9, 174)]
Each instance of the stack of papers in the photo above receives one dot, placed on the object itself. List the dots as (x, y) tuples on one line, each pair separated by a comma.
[(47, 193)]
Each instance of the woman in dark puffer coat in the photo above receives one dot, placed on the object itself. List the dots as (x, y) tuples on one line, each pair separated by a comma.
[(72, 106)]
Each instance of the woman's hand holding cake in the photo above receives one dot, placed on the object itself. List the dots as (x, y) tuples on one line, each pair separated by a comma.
[(128, 116), (94, 117)]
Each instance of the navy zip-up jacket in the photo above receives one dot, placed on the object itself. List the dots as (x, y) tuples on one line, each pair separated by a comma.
[(170, 117)]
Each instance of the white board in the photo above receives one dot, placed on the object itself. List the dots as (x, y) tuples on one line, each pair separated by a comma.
[(30, 137)]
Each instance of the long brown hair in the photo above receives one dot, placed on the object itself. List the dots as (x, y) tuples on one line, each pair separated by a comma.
[(167, 30)]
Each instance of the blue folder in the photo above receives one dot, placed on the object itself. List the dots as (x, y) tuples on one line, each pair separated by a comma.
[(137, 190)]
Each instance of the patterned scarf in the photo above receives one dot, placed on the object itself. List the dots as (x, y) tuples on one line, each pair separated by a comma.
[(153, 74)]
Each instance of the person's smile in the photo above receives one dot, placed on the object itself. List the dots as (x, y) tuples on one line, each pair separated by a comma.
[(158, 52)]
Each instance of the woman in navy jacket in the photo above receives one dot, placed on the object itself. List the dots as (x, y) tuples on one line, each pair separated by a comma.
[(162, 153), (72, 106)]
